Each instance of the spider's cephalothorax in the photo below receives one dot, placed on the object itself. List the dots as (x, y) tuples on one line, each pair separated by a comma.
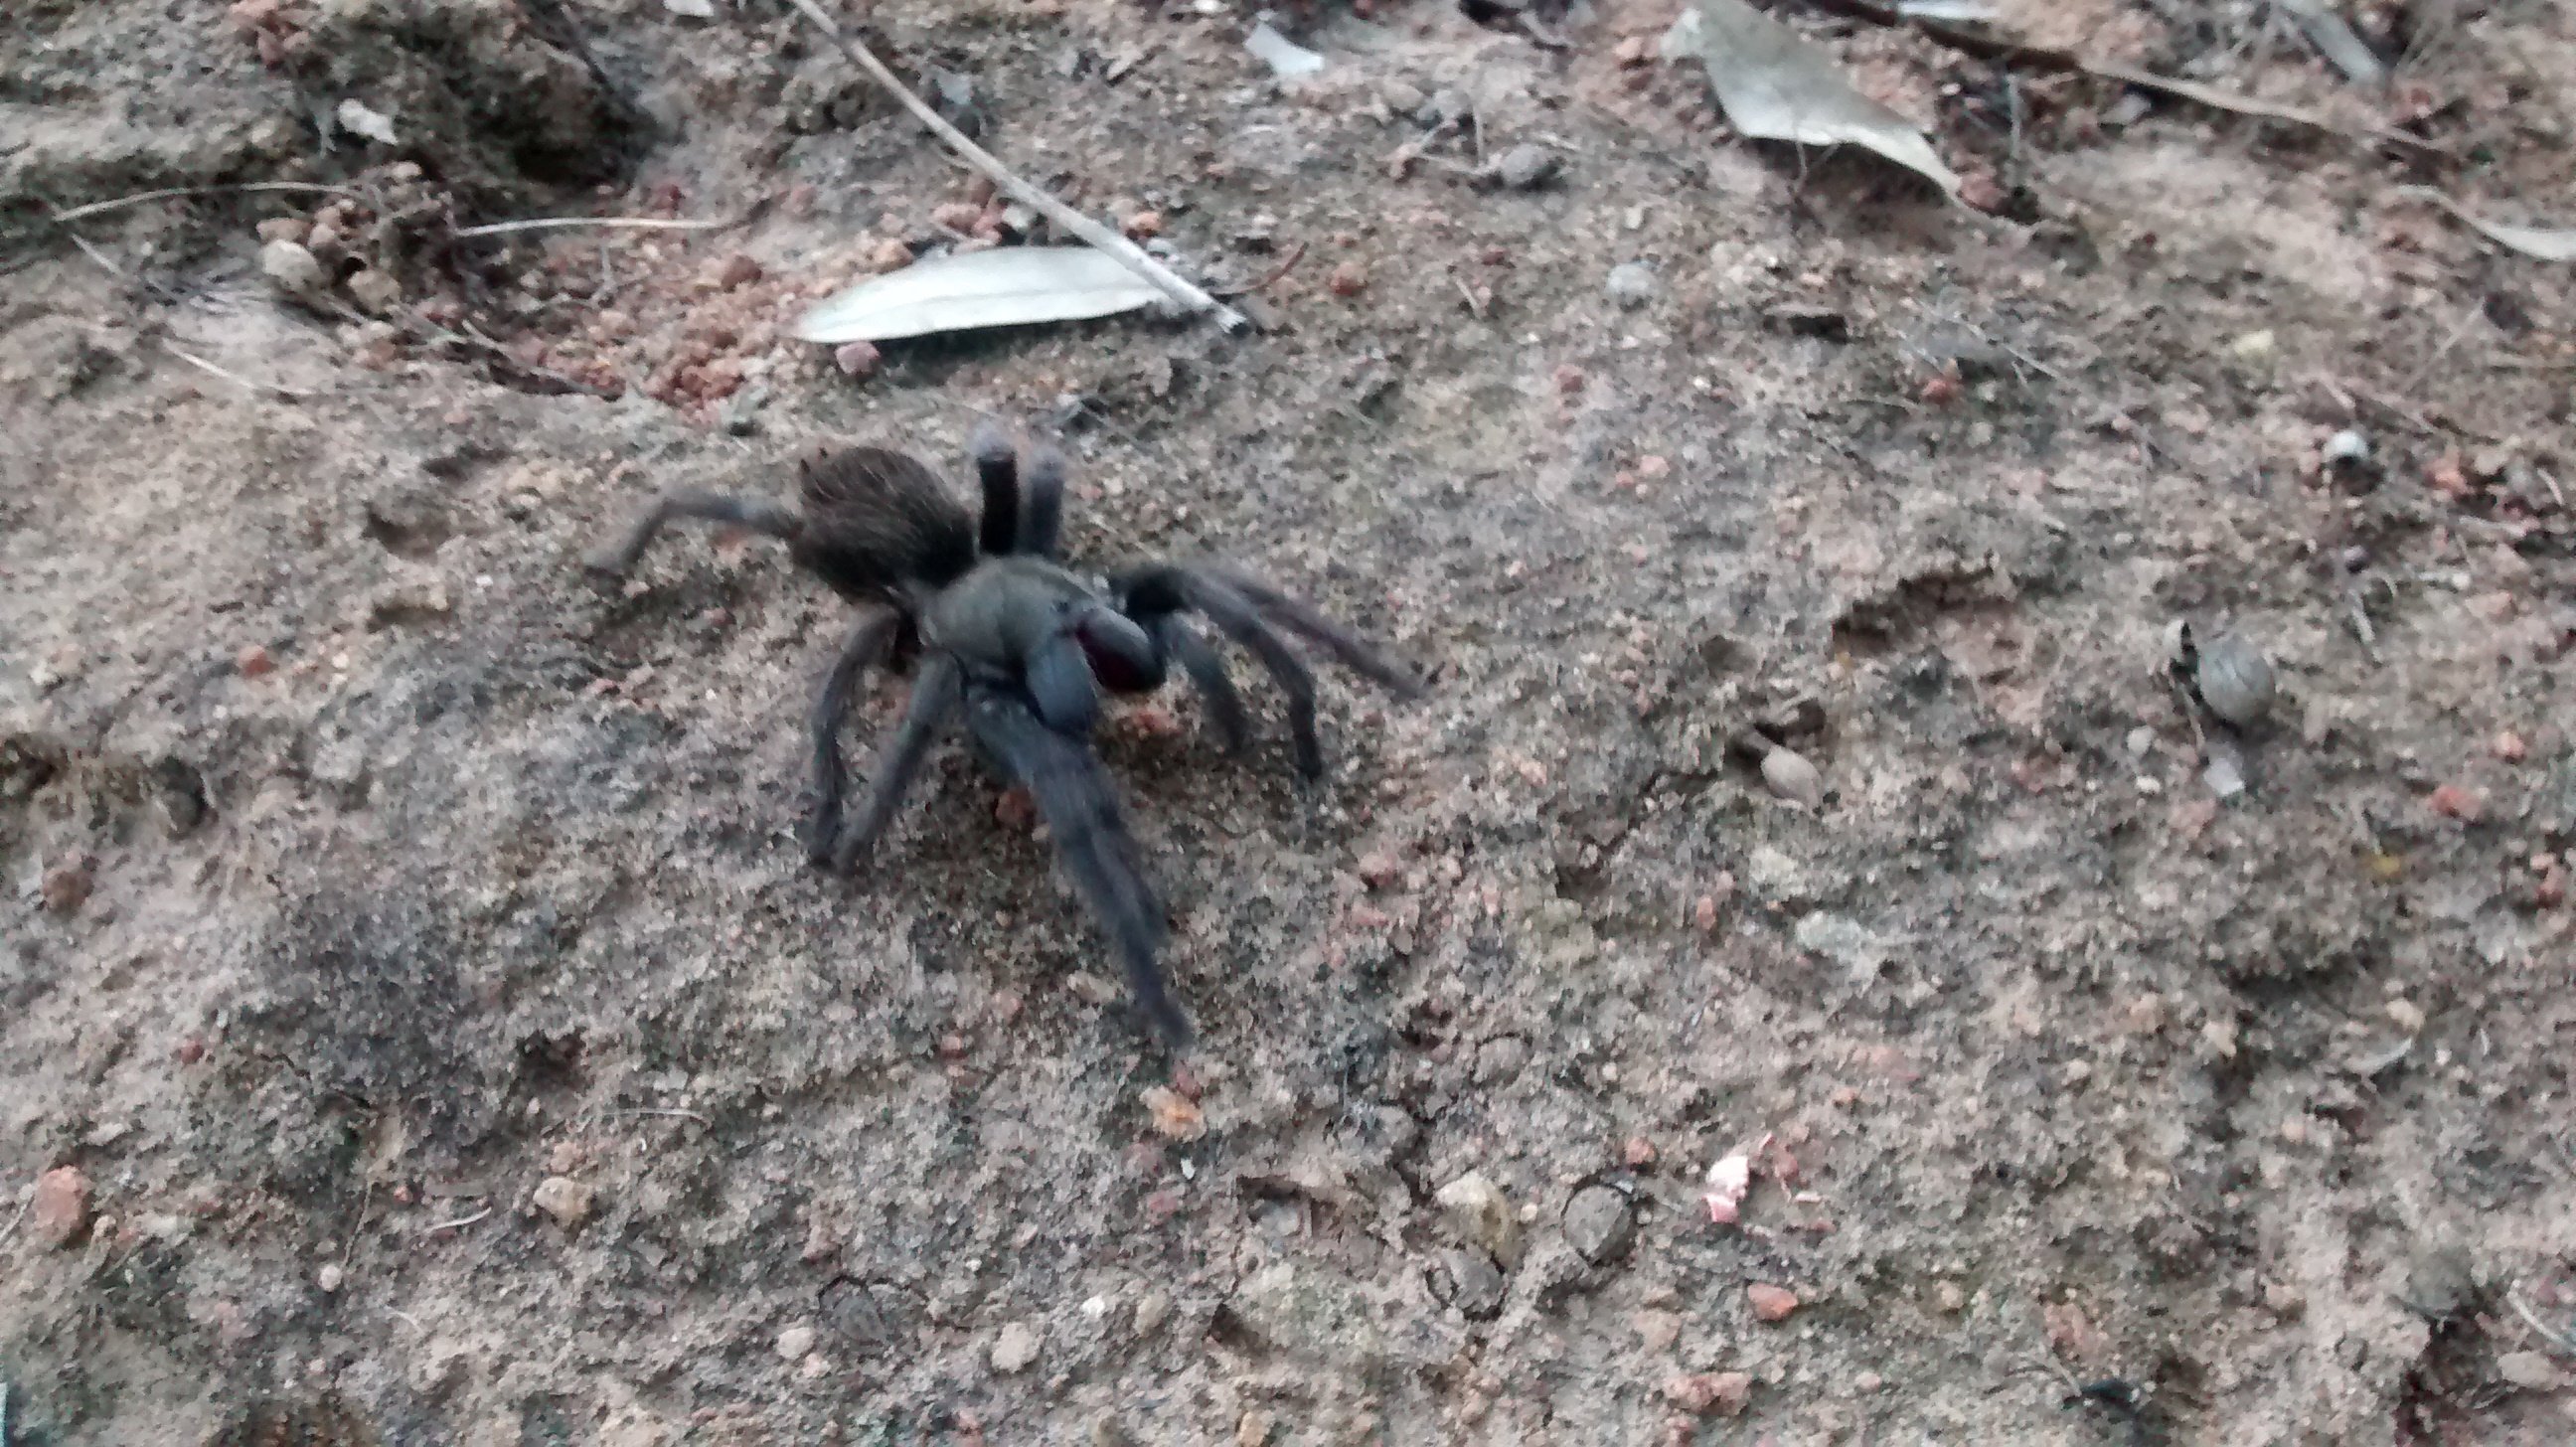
[(1021, 648)]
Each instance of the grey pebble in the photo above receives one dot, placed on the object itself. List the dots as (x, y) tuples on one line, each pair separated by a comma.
[(1600, 1223), (1632, 284)]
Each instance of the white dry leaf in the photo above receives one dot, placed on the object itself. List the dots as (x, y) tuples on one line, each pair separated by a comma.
[(1286, 58), (694, 9), (358, 119), (2544, 243), (1005, 287), (1777, 87)]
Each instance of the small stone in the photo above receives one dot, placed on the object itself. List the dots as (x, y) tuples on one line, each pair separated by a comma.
[(1016, 1349), (1706, 1394), (1656, 1330), (889, 255), (2510, 747), (1639, 1153), (1949, 1298), (795, 1342), (857, 359), (2406, 1015), (1791, 777), (1631, 284), (1253, 1429), (565, 1199), (1526, 167), (1500, 1059), (291, 268), (738, 270), (2235, 679), (1600, 1223), (2531, 1371), (1143, 226), (329, 1277), (1152, 1310), (1348, 279), (2454, 802), (1477, 1289), (1844, 940), (253, 661), (66, 886), (1771, 1303), (2255, 346), (60, 1214), (375, 290), (285, 228), (2346, 448), (1483, 1216)]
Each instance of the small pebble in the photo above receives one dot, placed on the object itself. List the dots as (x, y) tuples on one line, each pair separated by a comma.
[(1722, 1394), (291, 268), (795, 1343), (1016, 1349), (1526, 167), (329, 1277), (1483, 1216), (253, 661), (1348, 279), (60, 1215), (565, 1199), (1771, 1303), (857, 359), (890, 255), (1631, 284), (66, 887), (2235, 679), (375, 290), (2406, 1015), (739, 270), (2346, 448), (2531, 1371), (1793, 778), (1600, 1224)]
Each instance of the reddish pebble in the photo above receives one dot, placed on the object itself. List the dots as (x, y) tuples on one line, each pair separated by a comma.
[(253, 661), (858, 359), (1495, 256), (60, 1214), (800, 199), (1705, 1393), (1144, 225), (1015, 809), (1569, 379), (1640, 1153), (2447, 476), (1940, 389), (66, 886), (189, 1050), (1631, 51), (1348, 279), (1379, 867), (1704, 913), (738, 270), (1006, 1006), (1981, 191), (957, 215), (952, 1047), (1186, 1082), (1163, 1205), (2453, 802), (2510, 747), (1771, 1303)]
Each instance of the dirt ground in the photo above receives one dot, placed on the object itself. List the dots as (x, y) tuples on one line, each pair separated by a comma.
[(416, 1005)]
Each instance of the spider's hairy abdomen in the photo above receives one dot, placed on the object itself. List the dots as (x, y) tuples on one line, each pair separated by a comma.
[(877, 519)]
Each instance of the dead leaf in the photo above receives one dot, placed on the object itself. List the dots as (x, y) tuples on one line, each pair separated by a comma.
[(1777, 87), (1009, 287)]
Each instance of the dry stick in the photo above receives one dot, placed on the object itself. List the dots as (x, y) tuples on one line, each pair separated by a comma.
[(101, 208), (236, 378), (458, 1223), (1126, 252), (632, 223), (2556, 1339)]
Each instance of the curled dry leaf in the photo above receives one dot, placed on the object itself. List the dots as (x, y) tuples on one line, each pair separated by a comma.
[(1011, 286), (1776, 87), (1176, 1116)]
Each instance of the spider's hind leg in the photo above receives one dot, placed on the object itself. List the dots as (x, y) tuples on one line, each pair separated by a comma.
[(760, 514)]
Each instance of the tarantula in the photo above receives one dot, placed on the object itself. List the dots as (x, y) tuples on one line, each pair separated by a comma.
[(1019, 644)]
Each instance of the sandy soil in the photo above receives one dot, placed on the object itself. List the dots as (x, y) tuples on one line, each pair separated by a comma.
[(424, 1026)]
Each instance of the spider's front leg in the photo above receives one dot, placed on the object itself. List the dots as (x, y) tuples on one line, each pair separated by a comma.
[(1075, 797), (934, 699)]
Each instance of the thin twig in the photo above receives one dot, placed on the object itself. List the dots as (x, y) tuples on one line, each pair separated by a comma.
[(1126, 252), (101, 208), (12, 1228), (457, 1224), (2557, 1339), (236, 378), (1276, 272), (630, 223)]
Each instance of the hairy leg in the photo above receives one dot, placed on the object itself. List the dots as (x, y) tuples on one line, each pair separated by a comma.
[(864, 645), (1042, 510), (1182, 644), (1163, 588), (997, 467), (933, 702), (760, 514), (1302, 618), (1075, 798)]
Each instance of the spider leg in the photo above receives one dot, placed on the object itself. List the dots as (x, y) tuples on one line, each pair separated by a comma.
[(933, 702), (864, 645), (1183, 645), (997, 467), (760, 514), (1042, 508), (1302, 618), (1081, 810), (1163, 588)]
